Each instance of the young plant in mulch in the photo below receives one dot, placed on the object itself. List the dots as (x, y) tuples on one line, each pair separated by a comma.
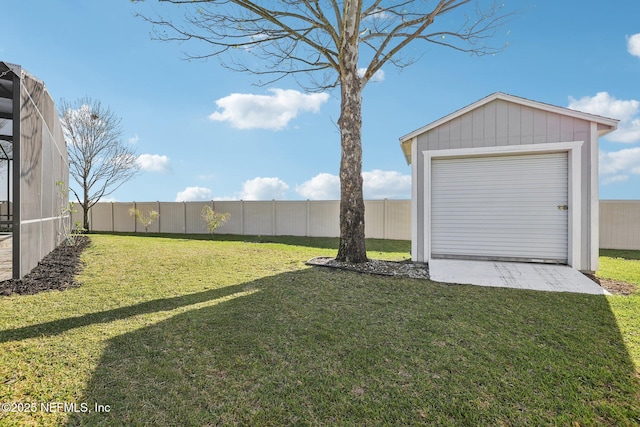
[(212, 219), (66, 209), (145, 220)]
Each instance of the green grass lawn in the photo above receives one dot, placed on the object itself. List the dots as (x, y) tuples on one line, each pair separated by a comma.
[(182, 331)]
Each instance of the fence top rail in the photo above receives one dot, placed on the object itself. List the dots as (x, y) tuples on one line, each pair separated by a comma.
[(620, 201), (248, 201)]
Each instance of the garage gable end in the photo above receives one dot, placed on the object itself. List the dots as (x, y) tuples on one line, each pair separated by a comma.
[(502, 119)]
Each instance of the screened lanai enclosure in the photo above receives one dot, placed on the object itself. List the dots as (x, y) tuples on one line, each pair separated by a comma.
[(34, 172)]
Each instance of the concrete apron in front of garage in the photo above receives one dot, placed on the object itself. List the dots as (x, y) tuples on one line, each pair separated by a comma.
[(519, 275)]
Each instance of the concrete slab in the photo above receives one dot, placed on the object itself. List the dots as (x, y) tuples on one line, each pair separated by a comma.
[(540, 277)]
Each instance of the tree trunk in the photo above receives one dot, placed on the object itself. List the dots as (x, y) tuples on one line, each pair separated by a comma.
[(352, 245), (85, 208), (85, 218)]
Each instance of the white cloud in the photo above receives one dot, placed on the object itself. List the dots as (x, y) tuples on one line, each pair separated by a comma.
[(603, 104), (108, 199), (616, 166), (379, 14), (153, 163), (323, 186), (377, 77), (134, 139), (606, 105), (192, 194), (249, 111), (264, 189), (633, 45), (377, 184)]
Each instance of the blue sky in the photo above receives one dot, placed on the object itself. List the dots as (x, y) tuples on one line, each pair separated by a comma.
[(203, 132)]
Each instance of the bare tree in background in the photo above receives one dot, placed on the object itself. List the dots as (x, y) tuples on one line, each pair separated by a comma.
[(323, 39), (6, 156), (6, 147), (98, 159)]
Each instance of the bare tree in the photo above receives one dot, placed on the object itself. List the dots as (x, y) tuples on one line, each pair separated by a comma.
[(6, 147), (323, 39), (98, 159)]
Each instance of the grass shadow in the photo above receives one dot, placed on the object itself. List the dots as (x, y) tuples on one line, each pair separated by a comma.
[(621, 253), (325, 347), (60, 326)]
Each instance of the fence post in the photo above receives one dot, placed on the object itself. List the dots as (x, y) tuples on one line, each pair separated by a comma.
[(184, 209), (273, 217), (307, 225), (242, 216), (159, 217), (384, 219)]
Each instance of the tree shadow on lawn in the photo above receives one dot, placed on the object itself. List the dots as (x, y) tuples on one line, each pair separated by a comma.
[(60, 326), (325, 347)]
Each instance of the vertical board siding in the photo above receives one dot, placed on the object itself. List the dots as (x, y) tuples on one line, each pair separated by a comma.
[(466, 136), (502, 123), (526, 126), (489, 125), (539, 126)]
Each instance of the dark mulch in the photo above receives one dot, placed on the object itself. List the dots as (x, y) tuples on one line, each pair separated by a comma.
[(373, 266), (56, 271)]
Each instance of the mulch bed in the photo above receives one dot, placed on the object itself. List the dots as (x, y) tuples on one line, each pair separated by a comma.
[(613, 286), (56, 271), (379, 267)]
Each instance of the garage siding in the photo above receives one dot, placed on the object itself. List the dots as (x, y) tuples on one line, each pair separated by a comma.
[(500, 207)]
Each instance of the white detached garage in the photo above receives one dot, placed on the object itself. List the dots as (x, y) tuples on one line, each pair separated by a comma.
[(507, 179)]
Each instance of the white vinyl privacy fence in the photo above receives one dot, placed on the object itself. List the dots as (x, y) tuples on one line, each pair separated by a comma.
[(620, 224), (384, 219)]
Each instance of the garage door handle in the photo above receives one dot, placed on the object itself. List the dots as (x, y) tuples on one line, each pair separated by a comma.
[(563, 207)]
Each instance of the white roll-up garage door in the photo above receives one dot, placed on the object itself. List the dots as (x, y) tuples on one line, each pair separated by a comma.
[(511, 207)]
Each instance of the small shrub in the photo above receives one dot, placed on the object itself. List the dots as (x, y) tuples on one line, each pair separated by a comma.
[(66, 208), (213, 220), (145, 220)]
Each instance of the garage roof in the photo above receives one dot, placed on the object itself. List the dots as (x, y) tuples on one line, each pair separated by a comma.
[(605, 124)]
